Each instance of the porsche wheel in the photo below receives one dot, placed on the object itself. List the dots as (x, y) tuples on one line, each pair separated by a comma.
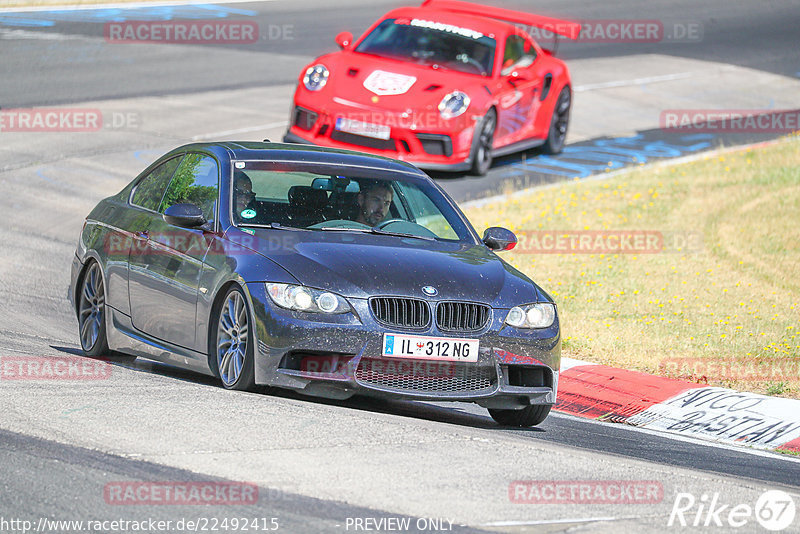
[(482, 143), (92, 312), (559, 123), (526, 417), (233, 349)]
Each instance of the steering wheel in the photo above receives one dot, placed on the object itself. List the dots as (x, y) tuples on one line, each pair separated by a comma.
[(475, 63), (466, 59), (382, 225)]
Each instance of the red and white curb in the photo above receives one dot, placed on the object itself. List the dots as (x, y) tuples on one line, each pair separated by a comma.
[(596, 391)]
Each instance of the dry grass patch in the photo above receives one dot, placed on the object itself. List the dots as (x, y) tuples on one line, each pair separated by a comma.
[(723, 310)]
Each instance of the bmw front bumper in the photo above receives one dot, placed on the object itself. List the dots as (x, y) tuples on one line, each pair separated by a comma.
[(338, 356)]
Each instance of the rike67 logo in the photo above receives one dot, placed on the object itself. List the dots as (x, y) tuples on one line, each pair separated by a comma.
[(774, 510)]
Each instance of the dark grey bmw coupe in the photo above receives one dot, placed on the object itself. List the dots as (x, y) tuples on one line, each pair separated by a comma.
[(328, 272)]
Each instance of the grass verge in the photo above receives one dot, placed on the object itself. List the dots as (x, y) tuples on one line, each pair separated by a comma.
[(708, 288)]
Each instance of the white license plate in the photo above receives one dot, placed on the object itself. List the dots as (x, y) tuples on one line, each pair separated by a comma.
[(430, 348), (377, 131)]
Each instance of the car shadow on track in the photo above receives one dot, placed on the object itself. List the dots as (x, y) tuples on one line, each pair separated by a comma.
[(457, 414), (146, 366)]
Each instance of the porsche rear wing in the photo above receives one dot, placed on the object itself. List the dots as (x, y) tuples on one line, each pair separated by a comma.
[(568, 29)]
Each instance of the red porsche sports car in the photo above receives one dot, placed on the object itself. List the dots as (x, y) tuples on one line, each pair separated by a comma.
[(448, 85)]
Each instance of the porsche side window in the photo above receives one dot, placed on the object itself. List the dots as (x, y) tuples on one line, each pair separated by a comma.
[(196, 181), (150, 190), (518, 54)]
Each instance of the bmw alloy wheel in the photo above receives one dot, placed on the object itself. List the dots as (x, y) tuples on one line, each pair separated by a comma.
[(232, 340), (91, 312)]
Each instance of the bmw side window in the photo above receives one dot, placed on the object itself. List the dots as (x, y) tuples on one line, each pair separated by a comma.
[(196, 181), (423, 211), (150, 190)]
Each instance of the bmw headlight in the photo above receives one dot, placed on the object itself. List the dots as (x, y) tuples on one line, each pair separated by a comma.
[(453, 105), (301, 298), (539, 315), (316, 77)]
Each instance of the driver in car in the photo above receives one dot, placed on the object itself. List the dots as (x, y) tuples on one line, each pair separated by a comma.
[(373, 203)]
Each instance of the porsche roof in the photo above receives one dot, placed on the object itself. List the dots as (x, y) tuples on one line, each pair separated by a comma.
[(476, 23), (484, 19)]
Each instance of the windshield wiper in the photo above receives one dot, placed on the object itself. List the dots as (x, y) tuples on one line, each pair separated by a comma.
[(380, 231), (275, 225), (374, 230), (344, 229)]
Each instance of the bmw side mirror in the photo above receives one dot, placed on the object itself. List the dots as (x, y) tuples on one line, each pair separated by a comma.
[(344, 40), (499, 239), (184, 215)]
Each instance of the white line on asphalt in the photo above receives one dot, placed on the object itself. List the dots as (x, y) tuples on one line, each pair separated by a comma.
[(569, 363), (240, 130), (125, 5), (40, 36), (549, 522), (635, 81)]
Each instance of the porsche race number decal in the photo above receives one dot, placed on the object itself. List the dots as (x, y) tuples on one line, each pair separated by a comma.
[(385, 83)]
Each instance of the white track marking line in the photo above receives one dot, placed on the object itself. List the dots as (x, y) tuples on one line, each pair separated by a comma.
[(20, 34), (635, 81), (569, 363), (550, 522), (131, 5), (240, 130)]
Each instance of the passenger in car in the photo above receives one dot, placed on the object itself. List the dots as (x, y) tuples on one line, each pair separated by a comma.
[(243, 195)]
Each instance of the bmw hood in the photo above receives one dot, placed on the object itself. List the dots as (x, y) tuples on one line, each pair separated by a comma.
[(361, 266)]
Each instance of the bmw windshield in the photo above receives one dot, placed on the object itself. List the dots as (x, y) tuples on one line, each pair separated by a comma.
[(265, 195), (432, 43)]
